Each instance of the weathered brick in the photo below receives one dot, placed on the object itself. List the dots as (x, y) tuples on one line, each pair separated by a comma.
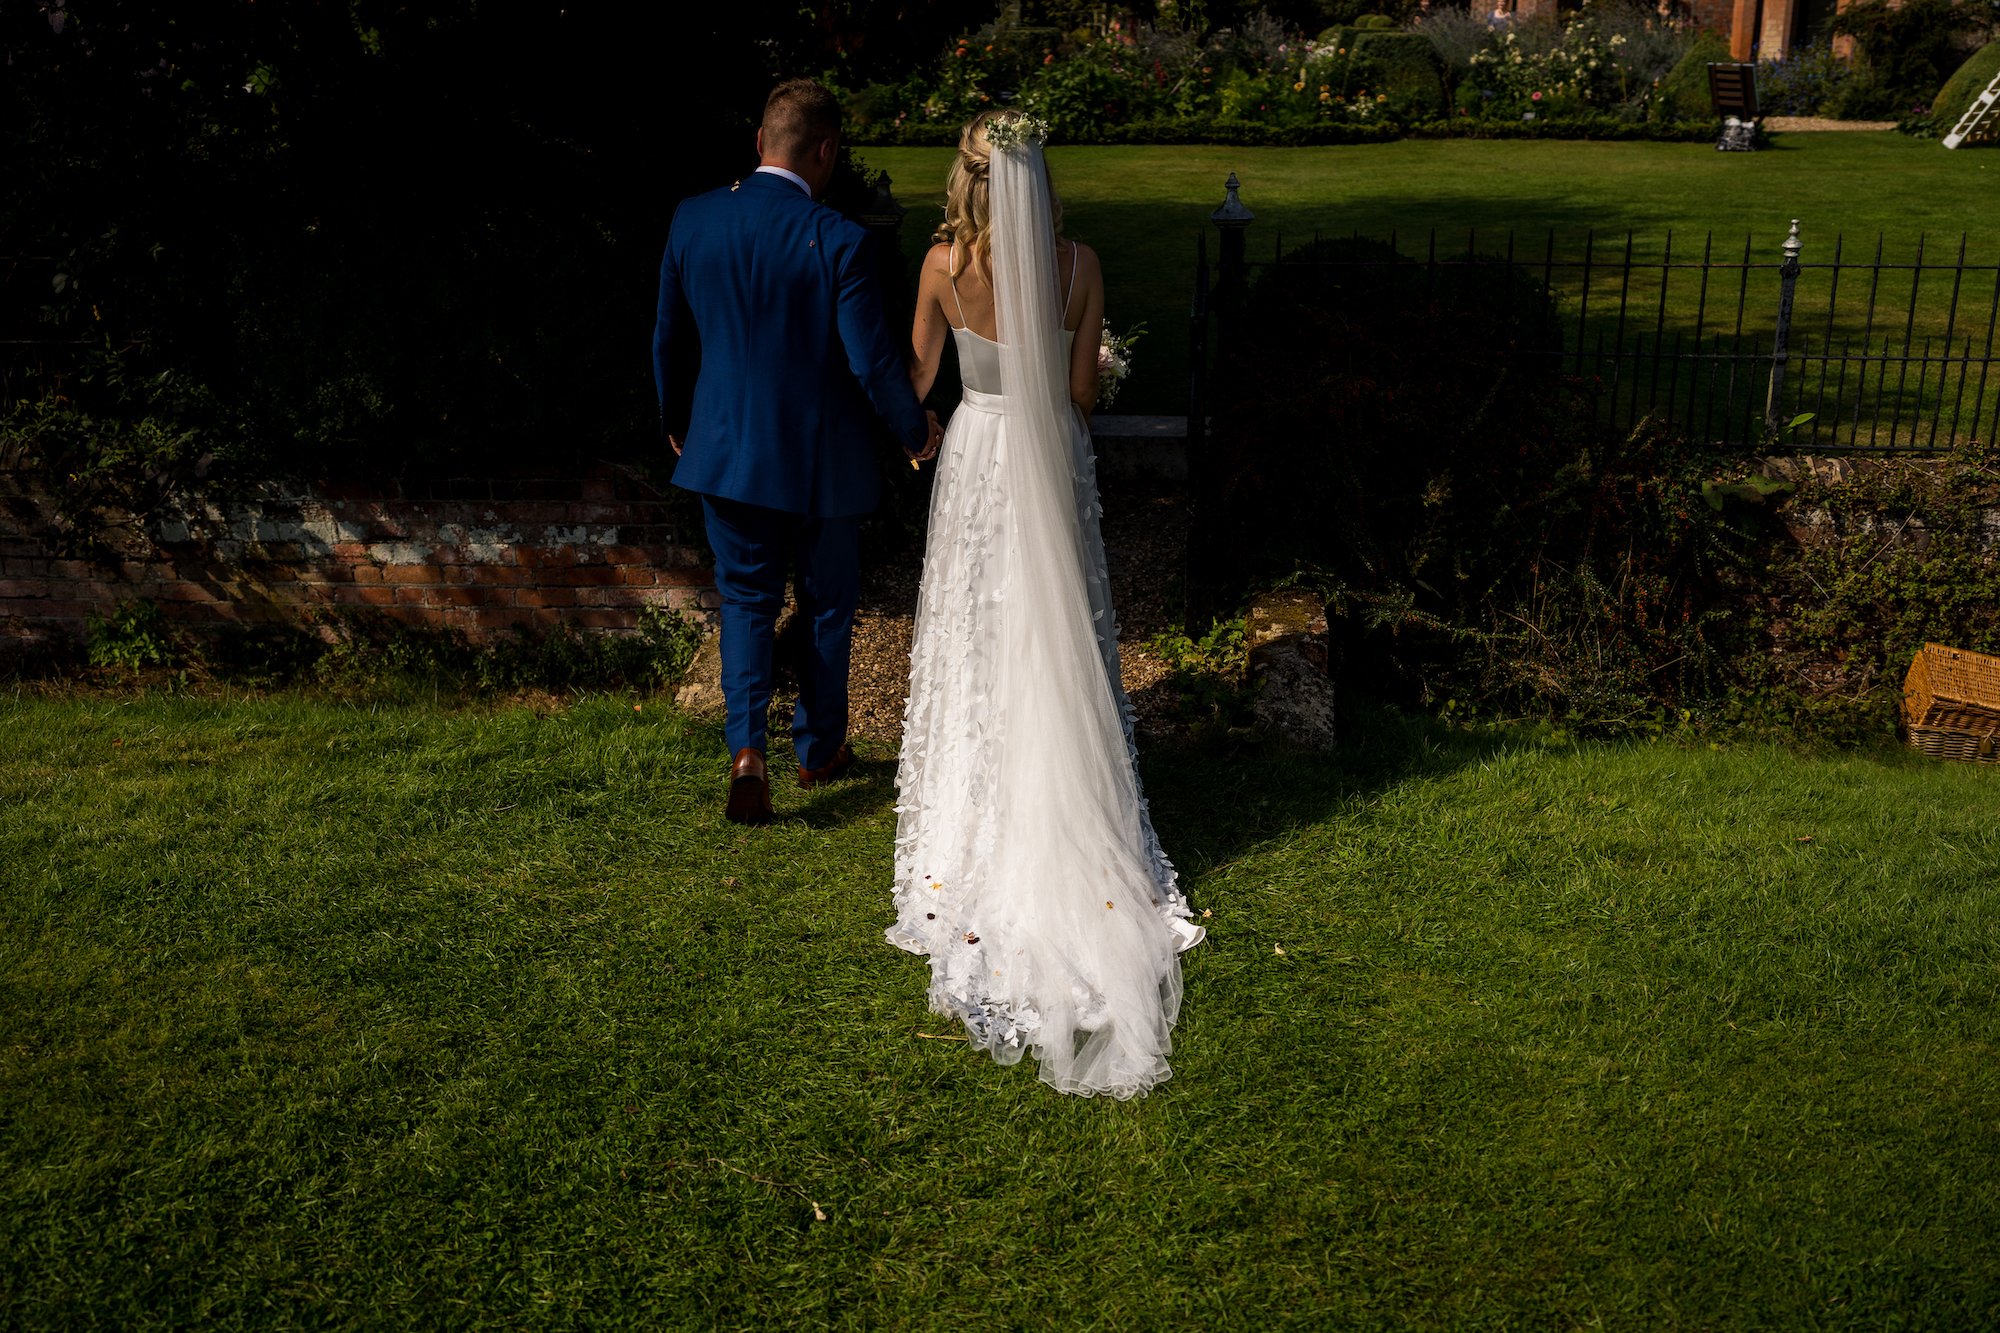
[(633, 597), (187, 592), (488, 620), (412, 574), (537, 555), (364, 596), (545, 597), (601, 618), (11, 589), (452, 596)]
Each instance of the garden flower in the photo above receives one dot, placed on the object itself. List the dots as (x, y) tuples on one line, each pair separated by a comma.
[(1536, 97), (1324, 96), (1299, 87), (1049, 59), (1381, 97)]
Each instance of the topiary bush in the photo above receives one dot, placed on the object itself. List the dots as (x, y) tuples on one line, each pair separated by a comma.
[(1406, 68), (1963, 87), (1683, 93)]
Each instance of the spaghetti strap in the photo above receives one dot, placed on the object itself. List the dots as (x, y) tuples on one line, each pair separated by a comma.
[(1070, 295), (951, 274)]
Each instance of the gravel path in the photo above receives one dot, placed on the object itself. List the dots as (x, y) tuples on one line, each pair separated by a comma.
[(1778, 124), (1143, 537)]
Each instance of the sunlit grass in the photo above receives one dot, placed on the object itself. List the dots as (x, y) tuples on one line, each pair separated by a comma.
[(1143, 207), (314, 1013)]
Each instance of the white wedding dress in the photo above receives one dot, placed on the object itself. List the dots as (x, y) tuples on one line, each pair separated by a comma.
[(1026, 864)]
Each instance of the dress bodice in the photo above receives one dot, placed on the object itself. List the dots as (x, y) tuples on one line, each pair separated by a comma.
[(979, 359)]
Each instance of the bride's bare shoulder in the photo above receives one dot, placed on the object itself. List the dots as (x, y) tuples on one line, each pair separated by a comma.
[(939, 258), (1086, 258)]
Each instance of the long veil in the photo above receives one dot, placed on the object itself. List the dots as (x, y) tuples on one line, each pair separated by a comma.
[(1085, 955)]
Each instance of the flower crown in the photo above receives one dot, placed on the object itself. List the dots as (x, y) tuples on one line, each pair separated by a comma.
[(1016, 130)]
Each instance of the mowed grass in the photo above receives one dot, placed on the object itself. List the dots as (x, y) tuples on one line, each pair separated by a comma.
[(1143, 207), (312, 1013)]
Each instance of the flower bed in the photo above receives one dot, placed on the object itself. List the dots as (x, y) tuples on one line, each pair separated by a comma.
[(1595, 75)]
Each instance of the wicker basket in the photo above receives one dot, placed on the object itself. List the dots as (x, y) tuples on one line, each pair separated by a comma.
[(1951, 704)]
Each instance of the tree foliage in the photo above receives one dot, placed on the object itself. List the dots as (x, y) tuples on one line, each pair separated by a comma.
[(334, 235)]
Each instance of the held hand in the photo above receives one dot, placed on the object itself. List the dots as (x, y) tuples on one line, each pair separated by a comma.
[(932, 440), (675, 442)]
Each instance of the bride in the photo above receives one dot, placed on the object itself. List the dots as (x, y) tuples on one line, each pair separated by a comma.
[(1026, 865)]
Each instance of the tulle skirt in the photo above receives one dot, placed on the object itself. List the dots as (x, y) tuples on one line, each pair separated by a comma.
[(1027, 867)]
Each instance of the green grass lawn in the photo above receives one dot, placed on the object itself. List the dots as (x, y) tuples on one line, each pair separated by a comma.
[(1143, 207), (314, 1013)]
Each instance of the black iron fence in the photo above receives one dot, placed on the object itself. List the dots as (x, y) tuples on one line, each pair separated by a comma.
[(1876, 352)]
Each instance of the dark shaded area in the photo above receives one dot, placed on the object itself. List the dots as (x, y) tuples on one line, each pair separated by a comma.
[(1374, 413), (1403, 438), (312, 237)]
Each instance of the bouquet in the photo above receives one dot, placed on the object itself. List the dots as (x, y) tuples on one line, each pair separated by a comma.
[(1114, 360)]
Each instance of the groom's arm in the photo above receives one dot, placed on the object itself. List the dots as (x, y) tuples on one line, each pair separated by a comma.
[(673, 337), (878, 363)]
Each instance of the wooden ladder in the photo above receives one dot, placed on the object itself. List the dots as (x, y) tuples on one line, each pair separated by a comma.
[(1980, 119)]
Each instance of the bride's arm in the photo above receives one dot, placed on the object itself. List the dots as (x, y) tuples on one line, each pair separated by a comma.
[(928, 334), (1090, 323)]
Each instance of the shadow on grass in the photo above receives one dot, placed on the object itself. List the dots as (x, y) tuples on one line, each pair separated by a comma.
[(869, 789), (1214, 802)]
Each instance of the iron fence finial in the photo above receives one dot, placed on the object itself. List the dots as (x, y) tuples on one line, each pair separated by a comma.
[(1793, 245), (1232, 213)]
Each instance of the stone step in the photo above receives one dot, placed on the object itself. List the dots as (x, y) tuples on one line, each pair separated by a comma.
[(1149, 448)]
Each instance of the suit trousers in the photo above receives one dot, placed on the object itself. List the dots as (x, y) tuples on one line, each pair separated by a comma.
[(755, 548)]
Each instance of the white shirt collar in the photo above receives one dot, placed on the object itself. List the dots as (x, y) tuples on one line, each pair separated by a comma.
[(791, 176)]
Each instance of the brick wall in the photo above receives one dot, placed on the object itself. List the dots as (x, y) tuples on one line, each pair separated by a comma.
[(481, 555)]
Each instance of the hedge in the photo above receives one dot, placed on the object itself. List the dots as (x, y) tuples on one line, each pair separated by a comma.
[(1171, 132)]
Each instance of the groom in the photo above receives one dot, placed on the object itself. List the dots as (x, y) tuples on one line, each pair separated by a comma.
[(798, 373)]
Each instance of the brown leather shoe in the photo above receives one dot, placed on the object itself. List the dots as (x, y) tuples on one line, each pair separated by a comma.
[(749, 789), (832, 770)]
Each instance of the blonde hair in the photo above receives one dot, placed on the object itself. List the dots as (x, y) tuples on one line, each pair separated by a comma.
[(968, 213)]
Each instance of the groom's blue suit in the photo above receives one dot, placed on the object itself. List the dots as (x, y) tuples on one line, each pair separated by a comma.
[(797, 374)]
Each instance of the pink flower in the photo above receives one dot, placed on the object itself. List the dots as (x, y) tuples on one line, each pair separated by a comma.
[(1535, 97), (1104, 361)]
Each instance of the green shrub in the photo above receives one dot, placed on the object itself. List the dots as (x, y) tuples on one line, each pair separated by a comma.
[(1964, 87), (132, 637), (1210, 675), (1683, 93), (1405, 67), (1838, 615), (1909, 49), (1811, 81)]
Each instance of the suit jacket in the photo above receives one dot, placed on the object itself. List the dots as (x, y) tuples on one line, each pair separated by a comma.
[(797, 368)]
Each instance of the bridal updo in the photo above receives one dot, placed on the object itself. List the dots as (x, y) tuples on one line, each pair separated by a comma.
[(968, 214)]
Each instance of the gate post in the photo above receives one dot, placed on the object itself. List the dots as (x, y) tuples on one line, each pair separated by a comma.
[(1232, 277), (1199, 581), (1788, 281)]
